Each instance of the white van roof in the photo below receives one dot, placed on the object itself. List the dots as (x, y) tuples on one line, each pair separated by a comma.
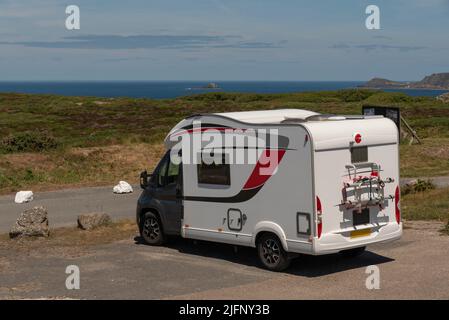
[(328, 131), (337, 134), (268, 116)]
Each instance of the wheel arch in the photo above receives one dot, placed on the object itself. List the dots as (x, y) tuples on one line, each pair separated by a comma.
[(269, 227), (150, 209)]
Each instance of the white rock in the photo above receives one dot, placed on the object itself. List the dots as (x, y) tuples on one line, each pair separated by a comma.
[(122, 187), (23, 196)]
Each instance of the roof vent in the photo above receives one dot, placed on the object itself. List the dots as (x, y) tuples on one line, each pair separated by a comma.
[(325, 117), (293, 120)]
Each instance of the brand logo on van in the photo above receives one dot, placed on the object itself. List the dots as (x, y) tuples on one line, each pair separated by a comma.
[(217, 144)]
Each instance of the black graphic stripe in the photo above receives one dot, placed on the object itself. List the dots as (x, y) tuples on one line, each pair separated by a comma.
[(242, 196)]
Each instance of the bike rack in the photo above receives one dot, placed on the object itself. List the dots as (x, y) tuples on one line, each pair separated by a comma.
[(364, 178)]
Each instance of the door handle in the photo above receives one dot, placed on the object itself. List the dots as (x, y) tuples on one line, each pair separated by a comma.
[(242, 220)]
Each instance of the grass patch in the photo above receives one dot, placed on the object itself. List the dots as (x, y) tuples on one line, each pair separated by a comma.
[(90, 121), (77, 167), (429, 159), (427, 205)]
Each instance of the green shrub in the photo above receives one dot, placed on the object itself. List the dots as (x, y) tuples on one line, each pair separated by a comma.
[(351, 95), (29, 141), (418, 186), (386, 98), (29, 175)]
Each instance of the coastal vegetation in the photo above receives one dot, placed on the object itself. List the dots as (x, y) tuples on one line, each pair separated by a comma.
[(49, 141), (426, 205)]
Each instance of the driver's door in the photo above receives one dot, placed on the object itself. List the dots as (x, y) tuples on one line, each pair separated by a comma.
[(169, 193)]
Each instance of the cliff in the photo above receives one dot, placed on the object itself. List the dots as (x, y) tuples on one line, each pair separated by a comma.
[(434, 81)]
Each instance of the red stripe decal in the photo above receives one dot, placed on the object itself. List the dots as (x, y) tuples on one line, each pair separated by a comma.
[(188, 131), (266, 166)]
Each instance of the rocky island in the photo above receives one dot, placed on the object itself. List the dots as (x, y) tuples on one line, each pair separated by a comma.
[(436, 81), (209, 86)]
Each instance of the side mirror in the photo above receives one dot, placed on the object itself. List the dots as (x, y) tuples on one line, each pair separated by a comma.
[(144, 179)]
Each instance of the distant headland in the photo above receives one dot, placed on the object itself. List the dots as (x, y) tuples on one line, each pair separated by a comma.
[(436, 81)]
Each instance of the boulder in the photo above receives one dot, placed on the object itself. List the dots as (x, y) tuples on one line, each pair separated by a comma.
[(31, 223), (93, 220), (23, 196), (122, 187), (444, 97)]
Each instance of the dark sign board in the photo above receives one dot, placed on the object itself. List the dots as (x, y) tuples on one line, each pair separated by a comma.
[(392, 113)]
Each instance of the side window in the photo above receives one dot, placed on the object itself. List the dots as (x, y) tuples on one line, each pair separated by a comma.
[(217, 174), (161, 179), (166, 172), (172, 173), (359, 154)]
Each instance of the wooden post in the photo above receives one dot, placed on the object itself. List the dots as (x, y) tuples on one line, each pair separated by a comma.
[(413, 132)]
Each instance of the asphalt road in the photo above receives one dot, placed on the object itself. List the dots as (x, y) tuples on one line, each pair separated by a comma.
[(64, 206), (415, 267)]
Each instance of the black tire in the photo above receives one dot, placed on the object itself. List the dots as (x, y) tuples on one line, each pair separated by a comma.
[(271, 253), (151, 230), (353, 253)]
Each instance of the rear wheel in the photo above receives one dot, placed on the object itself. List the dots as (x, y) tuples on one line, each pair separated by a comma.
[(152, 231), (271, 253), (352, 253)]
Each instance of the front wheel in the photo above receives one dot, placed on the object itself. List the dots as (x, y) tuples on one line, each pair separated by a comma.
[(152, 231), (271, 253)]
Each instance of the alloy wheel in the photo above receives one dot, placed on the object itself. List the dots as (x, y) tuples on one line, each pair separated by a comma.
[(271, 251), (151, 228)]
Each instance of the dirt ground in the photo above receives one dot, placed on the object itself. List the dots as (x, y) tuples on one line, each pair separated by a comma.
[(115, 264)]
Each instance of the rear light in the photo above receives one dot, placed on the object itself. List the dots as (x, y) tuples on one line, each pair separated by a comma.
[(397, 204), (357, 138), (319, 211)]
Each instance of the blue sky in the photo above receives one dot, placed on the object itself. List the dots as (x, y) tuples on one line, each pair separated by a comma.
[(222, 40)]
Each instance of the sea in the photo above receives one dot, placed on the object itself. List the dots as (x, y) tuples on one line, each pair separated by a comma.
[(173, 89)]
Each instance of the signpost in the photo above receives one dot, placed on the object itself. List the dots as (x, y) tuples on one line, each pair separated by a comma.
[(394, 114)]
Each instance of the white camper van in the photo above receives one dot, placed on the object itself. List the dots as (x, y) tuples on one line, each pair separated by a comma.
[(312, 184)]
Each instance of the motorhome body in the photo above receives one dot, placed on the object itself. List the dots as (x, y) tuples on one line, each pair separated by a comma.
[(333, 185)]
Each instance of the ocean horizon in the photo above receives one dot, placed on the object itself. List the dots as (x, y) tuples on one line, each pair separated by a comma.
[(173, 89)]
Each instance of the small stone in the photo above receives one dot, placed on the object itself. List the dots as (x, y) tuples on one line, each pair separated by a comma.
[(93, 220), (122, 187), (31, 223), (444, 97), (24, 196)]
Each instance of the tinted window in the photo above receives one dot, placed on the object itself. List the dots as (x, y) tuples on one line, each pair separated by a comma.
[(161, 173), (166, 172), (218, 174), (172, 173), (359, 154)]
